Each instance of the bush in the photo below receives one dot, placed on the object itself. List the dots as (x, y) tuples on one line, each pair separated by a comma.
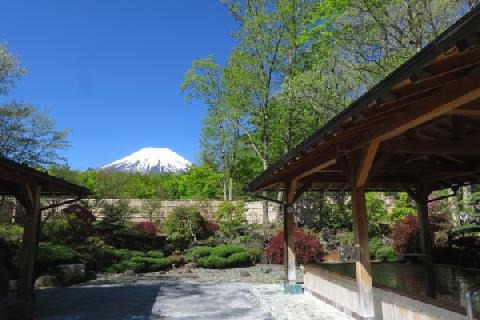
[(255, 254), (67, 229), (124, 259), (405, 235), (185, 224), (116, 213), (347, 238), (146, 227), (212, 227), (240, 259), (231, 218), (50, 255), (83, 214), (213, 262), (11, 232), (307, 248), (122, 236), (226, 251), (373, 245), (199, 252), (386, 254), (177, 260)]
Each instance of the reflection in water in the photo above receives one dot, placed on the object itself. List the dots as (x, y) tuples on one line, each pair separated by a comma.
[(448, 283)]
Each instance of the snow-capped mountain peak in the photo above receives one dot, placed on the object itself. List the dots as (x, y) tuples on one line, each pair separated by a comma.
[(150, 160)]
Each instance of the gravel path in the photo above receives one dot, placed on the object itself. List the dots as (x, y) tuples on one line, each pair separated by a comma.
[(259, 273)]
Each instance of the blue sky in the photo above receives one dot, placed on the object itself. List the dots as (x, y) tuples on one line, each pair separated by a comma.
[(110, 70)]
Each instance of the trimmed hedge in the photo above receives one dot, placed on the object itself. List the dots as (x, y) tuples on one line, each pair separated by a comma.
[(199, 252), (226, 250), (222, 257)]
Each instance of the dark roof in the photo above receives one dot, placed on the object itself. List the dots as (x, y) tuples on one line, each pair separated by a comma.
[(450, 57), (12, 172)]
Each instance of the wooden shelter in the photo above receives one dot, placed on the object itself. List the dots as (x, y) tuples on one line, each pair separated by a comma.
[(28, 185), (418, 130)]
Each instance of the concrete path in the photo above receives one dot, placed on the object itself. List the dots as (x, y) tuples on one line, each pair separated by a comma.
[(175, 300)]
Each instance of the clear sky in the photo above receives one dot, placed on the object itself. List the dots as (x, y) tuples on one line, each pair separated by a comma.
[(110, 70)]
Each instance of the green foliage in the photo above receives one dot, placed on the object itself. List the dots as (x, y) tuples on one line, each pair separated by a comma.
[(213, 262), (226, 250), (66, 228), (50, 255), (185, 224), (255, 254), (403, 207), (386, 254), (347, 238), (378, 223), (199, 252), (240, 259), (116, 213), (141, 264), (374, 245), (231, 218), (200, 183), (11, 232)]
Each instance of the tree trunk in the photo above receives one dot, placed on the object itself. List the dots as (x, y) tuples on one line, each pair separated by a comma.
[(230, 189), (225, 189), (265, 221)]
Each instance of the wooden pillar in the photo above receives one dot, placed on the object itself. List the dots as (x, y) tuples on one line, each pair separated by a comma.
[(289, 245), (363, 269), (421, 200), (28, 255)]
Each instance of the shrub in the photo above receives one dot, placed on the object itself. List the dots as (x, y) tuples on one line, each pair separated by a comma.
[(83, 214), (11, 232), (255, 254), (177, 260), (185, 224), (212, 227), (231, 218), (240, 259), (146, 227), (50, 255), (373, 245), (199, 252), (67, 228), (347, 238), (405, 235), (116, 213), (307, 248), (226, 250), (213, 262), (386, 254)]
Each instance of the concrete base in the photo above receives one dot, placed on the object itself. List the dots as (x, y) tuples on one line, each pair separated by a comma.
[(293, 288)]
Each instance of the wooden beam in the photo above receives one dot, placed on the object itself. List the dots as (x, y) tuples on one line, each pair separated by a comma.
[(292, 189), (28, 253), (465, 112), (366, 162), (460, 147), (288, 238), (318, 168)]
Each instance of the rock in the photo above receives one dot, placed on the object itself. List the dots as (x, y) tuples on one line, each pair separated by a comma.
[(191, 265), (188, 270), (244, 274), (68, 274), (263, 259), (130, 273), (13, 284), (267, 270), (45, 281)]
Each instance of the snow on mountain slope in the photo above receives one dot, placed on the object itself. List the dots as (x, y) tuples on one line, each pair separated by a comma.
[(150, 160)]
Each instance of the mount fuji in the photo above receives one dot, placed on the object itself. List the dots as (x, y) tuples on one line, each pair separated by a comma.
[(149, 160)]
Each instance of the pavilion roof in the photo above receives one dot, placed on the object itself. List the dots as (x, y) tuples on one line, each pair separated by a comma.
[(423, 120), (13, 174)]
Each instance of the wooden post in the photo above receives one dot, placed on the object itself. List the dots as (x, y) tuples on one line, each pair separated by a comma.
[(421, 200), (28, 255), (289, 244), (363, 269)]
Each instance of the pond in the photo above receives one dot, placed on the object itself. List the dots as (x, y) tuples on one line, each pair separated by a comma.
[(451, 282)]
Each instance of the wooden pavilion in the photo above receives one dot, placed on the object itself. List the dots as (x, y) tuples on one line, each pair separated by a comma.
[(28, 185), (418, 130)]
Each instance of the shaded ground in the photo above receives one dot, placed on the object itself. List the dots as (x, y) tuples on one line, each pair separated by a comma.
[(150, 300)]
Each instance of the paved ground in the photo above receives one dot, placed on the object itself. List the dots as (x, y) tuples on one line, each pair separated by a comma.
[(175, 300), (294, 307)]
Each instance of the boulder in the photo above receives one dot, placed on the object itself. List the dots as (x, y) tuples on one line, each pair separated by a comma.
[(68, 274), (130, 273), (244, 274), (46, 281)]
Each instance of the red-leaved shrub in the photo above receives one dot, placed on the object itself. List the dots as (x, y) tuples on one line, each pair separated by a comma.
[(83, 213), (212, 227), (307, 248), (147, 227), (405, 235)]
